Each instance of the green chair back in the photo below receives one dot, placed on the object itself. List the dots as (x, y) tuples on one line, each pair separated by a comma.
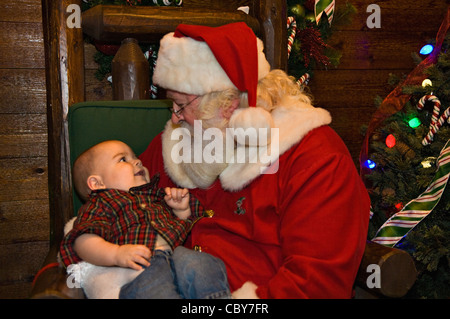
[(134, 122)]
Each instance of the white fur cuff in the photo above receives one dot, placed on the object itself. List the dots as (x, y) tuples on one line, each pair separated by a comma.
[(247, 291)]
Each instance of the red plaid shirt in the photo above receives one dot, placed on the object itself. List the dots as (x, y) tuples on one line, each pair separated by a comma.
[(133, 217)]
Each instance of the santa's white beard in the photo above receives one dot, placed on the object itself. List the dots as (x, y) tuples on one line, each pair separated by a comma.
[(202, 174)]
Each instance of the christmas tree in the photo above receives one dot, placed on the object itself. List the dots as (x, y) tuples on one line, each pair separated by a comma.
[(409, 167)]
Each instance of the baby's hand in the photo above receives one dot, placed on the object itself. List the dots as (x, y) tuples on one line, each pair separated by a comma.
[(178, 199), (133, 256)]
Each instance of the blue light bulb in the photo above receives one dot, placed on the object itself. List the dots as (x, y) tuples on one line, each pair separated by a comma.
[(370, 164), (426, 49)]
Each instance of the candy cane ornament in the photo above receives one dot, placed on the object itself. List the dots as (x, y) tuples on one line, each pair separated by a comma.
[(293, 25), (433, 130), (167, 2), (304, 79), (436, 121), (153, 55), (436, 107)]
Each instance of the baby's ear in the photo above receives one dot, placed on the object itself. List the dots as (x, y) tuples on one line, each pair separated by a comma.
[(95, 182)]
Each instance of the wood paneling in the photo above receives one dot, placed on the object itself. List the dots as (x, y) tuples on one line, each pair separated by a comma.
[(24, 206), (22, 45), (22, 91), (21, 11), (95, 90), (375, 50), (26, 218), (400, 15), (26, 179), (19, 267)]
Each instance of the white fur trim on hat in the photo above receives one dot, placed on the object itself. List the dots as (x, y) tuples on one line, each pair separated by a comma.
[(189, 66)]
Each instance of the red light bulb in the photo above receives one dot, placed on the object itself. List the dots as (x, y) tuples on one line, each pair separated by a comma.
[(390, 141)]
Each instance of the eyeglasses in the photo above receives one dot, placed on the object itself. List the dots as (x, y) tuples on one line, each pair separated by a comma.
[(182, 106)]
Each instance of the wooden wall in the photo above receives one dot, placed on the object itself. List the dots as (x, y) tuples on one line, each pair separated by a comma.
[(348, 92), (24, 212)]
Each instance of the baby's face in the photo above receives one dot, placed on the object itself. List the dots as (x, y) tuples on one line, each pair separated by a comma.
[(119, 167)]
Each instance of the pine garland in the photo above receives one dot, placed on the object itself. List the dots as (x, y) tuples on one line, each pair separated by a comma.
[(311, 38)]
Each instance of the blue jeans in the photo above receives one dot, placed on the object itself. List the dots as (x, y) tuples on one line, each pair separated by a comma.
[(181, 274)]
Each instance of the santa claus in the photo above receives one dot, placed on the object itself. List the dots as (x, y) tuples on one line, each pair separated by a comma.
[(287, 210)]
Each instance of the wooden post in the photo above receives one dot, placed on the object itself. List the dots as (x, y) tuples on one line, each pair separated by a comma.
[(64, 62), (396, 270), (272, 16)]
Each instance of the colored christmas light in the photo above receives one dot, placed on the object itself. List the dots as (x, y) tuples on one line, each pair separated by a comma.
[(414, 122), (427, 82), (426, 49), (370, 164), (428, 162), (390, 141)]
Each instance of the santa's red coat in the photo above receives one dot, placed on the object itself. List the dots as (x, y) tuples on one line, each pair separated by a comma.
[(297, 233)]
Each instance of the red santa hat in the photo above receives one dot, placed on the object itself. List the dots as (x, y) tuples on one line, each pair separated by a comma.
[(200, 59)]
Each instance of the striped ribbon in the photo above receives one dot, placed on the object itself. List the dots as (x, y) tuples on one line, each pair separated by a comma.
[(401, 223), (322, 6)]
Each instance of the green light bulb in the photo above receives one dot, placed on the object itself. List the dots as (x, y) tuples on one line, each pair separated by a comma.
[(414, 122)]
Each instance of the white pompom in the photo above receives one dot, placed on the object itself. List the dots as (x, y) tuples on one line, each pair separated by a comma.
[(251, 126)]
